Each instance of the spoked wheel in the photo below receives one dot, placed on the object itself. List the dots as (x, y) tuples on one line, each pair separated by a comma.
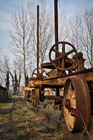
[(61, 55), (76, 104), (39, 74)]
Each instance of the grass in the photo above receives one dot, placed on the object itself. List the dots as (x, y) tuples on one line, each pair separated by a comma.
[(49, 129), (21, 122), (25, 136), (24, 123), (91, 128)]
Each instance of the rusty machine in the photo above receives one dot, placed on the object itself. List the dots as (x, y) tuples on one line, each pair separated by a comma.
[(71, 81)]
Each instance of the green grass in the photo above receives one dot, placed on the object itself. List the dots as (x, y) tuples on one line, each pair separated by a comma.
[(49, 129)]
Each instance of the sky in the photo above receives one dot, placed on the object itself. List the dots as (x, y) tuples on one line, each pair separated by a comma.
[(69, 7)]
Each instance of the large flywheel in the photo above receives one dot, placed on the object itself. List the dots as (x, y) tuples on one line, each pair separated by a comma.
[(61, 56), (76, 104)]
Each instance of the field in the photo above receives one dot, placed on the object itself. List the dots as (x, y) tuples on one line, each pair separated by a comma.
[(18, 121)]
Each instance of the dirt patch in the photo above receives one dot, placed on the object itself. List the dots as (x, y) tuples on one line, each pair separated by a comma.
[(18, 121)]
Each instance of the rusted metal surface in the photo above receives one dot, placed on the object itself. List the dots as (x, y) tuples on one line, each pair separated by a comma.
[(66, 62), (37, 39), (67, 67), (27, 89), (47, 65), (76, 103), (81, 90), (52, 97), (62, 79), (56, 20), (77, 93), (35, 97), (41, 74)]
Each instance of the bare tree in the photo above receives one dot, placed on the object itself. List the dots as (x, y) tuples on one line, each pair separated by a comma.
[(20, 36), (23, 37), (7, 74), (75, 32), (87, 36), (1, 74), (63, 27), (4, 67), (80, 34), (19, 69), (45, 30)]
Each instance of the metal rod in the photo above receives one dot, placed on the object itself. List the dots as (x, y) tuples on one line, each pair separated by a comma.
[(37, 39), (56, 20)]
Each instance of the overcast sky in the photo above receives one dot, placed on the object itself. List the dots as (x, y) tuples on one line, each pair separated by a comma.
[(69, 7)]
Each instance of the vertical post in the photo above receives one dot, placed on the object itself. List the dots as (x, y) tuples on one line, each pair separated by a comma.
[(37, 39), (56, 21)]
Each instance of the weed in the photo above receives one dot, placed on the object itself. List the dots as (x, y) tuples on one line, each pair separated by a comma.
[(49, 129), (85, 127)]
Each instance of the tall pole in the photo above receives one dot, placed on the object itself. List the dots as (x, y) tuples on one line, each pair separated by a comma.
[(56, 30), (56, 21), (37, 39)]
